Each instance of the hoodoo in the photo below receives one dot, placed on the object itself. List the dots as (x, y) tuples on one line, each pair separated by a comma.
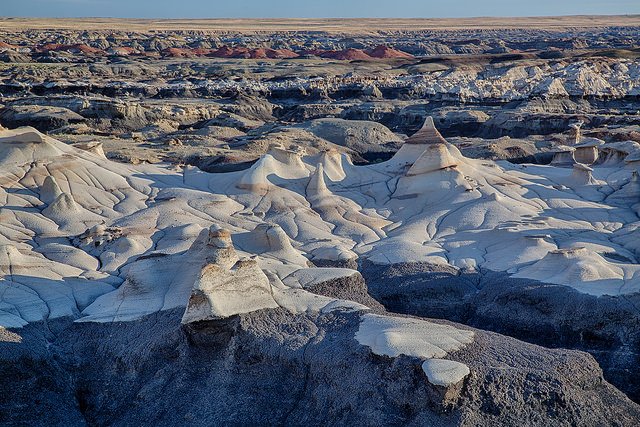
[(221, 292), (427, 142), (317, 187), (428, 134), (50, 190), (581, 175)]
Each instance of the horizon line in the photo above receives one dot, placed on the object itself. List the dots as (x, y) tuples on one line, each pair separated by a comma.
[(326, 17)]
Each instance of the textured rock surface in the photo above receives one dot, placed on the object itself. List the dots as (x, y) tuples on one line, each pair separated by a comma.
[(155, 371), (549, 315), (100, 262)]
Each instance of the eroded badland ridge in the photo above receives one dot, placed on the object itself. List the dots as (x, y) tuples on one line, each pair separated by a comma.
[(272, 222)]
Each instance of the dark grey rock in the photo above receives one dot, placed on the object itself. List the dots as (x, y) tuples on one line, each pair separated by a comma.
[(274, 368), (541, 313), (43, 118)]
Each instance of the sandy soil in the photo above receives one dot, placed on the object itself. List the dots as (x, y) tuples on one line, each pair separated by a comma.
[(352, 26)]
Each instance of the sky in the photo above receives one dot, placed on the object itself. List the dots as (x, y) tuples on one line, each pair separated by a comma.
[(312, 8)]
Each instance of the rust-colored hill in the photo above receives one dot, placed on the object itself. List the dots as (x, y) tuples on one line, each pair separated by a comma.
[(385, 52)]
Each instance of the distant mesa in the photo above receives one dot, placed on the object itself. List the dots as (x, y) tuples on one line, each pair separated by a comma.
[(352, 54)]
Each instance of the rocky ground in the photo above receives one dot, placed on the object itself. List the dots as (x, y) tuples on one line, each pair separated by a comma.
[(218, 100), (221, 227)]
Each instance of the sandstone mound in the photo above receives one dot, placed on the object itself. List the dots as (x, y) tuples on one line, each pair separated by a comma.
[(26, 144), (435, 157)]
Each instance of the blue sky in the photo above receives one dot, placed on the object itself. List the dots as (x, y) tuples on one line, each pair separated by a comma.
[(312, 8)]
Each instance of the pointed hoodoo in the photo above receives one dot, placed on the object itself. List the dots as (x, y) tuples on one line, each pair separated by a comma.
[(278, 162), (63, 208), (69, 215), (317, 186), (426, 151), (428, 134), (50, 190)]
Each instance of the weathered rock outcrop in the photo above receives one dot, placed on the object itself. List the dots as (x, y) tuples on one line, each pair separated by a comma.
[(151, 370)]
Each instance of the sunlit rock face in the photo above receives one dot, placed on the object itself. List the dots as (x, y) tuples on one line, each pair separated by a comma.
[(227, 285), (98, 243), (426, 204)]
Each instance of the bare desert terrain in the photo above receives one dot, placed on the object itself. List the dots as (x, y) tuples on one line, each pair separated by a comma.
[(340, 26), (320, 222)]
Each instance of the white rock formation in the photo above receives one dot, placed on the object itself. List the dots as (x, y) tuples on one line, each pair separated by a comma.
[(219, 293), (586, 270), (563, 156), (393, 336), (115, 242), (93, 147), (227, 286), (444, 372), (587, 151), (50, 190), (580, 176)]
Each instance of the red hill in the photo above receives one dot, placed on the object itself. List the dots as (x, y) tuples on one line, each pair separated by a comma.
[(383, 52), (346, 55), (5, 46)]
